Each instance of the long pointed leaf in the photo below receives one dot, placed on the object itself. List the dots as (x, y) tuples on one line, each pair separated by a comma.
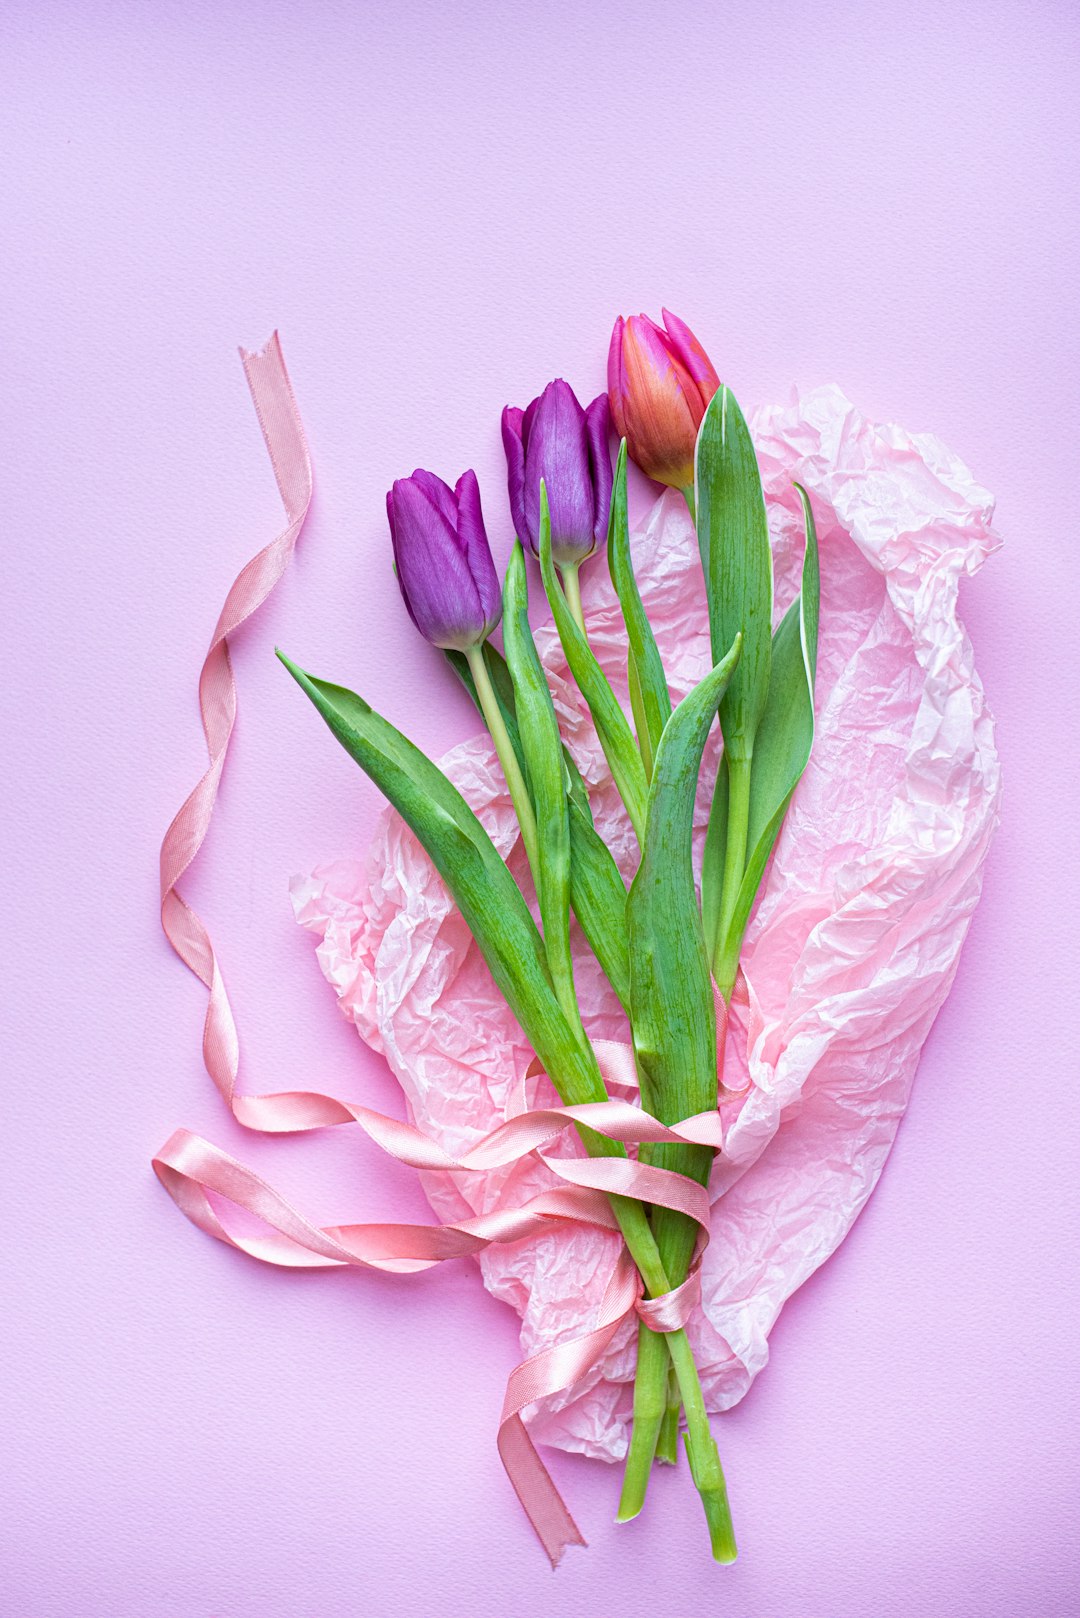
[(467, 860), (712, 859), (671, 998), (616, 737), (733, 535), (670, 984), (542, 746), (785, 734), (598, 896), (597, 890), (646, 670)]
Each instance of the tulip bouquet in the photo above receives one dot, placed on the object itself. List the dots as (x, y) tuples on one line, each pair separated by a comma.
[(670, 946)]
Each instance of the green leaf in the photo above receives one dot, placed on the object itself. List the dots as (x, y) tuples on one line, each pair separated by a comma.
[(641, 718), (616, 737), (597, 890), (785, 736), (541, 743), (671, 996), (467, 860), (670, 984), (598, 895), (674, 1026), (712, 860), (577, 791), (733, 536), (650, 698)]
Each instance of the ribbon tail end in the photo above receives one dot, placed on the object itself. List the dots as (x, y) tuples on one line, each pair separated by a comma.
[(535, 1488), (272, 343)]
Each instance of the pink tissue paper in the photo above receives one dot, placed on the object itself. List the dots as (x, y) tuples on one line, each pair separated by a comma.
[(849, 955)]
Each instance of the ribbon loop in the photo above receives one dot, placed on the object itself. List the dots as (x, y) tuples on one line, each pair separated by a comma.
[(673, 1309)]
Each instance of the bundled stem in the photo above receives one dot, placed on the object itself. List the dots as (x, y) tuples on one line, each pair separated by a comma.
[(767, 718), (703, 1455), (541, 743), (674, 1026)]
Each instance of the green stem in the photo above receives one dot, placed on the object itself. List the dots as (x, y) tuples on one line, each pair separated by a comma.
[(572, 591), (641, 723), (667, 1445), (519, 792), (656, 1402), (725, 947), (650, 1406), (701, 1447), (701, 1451), (630, 1214), (688, 496), (704, 1457)]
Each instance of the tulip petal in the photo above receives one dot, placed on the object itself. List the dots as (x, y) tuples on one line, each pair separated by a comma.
[(394, 545), (514, 447), (512, 419), (693, 357), (527, 420), (616, 378), (598, 434), (472, 537), (439, 493), (661, 429), (432, 568), (557, 451)]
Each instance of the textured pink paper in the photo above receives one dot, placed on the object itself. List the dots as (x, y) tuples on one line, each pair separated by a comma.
[(849, 956)]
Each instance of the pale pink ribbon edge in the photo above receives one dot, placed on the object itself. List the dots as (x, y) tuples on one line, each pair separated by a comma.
[(193, 1171)]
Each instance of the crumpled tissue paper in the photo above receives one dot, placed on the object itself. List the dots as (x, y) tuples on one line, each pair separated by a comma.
[(848, 957)]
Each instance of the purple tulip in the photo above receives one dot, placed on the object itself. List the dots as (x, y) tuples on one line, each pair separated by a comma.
[(443, 560), (556, 440)]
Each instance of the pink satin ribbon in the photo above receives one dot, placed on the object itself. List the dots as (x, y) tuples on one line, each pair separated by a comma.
[(202, 1180), (283, 433)]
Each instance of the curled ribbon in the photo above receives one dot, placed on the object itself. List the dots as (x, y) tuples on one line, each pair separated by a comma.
[(200, 1178)]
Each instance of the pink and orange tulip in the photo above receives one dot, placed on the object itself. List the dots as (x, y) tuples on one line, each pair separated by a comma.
[(660, 381)]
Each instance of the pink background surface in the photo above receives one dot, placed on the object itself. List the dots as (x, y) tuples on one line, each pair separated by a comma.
[(441, 210)]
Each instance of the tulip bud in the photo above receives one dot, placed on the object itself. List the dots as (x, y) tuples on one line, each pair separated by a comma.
[(556, 440), (659, 382), (442, 559)]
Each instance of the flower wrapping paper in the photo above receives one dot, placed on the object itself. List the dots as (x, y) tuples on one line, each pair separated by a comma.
[(849, 955)]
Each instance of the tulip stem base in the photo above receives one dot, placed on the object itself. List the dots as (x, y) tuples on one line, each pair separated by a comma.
[(701, 1450), (705, 1467), (572, 591), (504, 747), (650, 1401), (667, 1445)]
